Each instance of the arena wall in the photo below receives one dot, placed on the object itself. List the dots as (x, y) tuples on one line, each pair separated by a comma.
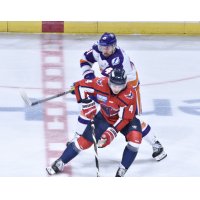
[(119, 28)]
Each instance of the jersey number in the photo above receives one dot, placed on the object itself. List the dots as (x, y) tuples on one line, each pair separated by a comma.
[(131, 108), (90, 51), (108, 70)]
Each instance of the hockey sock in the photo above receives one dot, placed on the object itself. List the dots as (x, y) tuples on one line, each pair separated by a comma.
[(128, 157), (149, 137), (70, 152)]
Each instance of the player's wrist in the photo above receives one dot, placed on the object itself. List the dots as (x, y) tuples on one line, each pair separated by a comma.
[(112, 130), (89, 74)]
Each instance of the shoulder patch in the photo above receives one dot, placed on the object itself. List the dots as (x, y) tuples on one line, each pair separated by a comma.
[(129, 96), (99, 82), (115, 61)]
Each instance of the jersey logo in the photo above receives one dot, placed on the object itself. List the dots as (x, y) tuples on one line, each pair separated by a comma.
[(115, 61), (129, 96), (102, 98), (109, 111), (99, 82)]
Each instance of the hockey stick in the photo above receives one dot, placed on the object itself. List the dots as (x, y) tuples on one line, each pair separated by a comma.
[(95, 146), (29, 103)]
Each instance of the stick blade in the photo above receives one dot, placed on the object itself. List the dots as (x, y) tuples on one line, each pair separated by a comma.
[(25, 97)]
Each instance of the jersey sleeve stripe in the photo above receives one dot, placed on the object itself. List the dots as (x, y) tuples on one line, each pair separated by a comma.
[(83, 61), (79, 99), (117, 123), (135, 83), (89, 88), (81, 94)]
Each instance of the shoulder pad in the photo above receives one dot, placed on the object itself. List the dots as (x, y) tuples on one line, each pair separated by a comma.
[(96, 43), (96, 48)]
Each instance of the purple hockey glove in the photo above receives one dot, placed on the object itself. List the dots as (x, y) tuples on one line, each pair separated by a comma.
[(89, 74)]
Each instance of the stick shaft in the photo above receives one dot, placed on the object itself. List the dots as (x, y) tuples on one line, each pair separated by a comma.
[(29, 103), (95, 147), (47, 99)]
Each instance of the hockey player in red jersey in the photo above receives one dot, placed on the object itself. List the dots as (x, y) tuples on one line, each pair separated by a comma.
[(117, 101), (110, 56)]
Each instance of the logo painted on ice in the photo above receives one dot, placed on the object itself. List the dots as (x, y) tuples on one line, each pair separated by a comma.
[(102, 98), (99, 82), (115, 61), (129, 96)]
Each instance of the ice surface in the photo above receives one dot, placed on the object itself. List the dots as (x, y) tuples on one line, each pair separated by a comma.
[(169, 73)]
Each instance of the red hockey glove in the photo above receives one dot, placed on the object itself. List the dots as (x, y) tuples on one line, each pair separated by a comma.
[(89, 108), (107, 137)]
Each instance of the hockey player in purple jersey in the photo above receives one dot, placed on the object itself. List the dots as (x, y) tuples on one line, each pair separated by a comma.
[(109, 56)]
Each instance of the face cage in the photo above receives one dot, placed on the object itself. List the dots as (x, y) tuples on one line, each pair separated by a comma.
[(113, 46)]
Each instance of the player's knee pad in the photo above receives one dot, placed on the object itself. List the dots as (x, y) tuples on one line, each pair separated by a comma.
[(134, 139), (82, 144)]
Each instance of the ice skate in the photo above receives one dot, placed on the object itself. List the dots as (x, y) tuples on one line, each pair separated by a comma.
[(121, 171), (56, 166), (158, 151), (76, 136)]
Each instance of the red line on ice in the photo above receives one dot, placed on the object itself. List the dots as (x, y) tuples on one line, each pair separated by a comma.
[(184, 79), (140, 84), (55, 126)]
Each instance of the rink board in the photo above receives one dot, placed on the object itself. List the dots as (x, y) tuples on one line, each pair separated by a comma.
[(95, 27)]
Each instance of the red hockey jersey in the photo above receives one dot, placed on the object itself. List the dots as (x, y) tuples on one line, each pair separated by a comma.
[(118, 109)]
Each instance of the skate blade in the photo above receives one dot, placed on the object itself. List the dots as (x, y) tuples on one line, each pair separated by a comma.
[(50, 171), (161, 156)]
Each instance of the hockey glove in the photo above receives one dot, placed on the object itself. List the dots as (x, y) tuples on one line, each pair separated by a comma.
[(89, 74), (107, 137), (72, 90), (89, 108)]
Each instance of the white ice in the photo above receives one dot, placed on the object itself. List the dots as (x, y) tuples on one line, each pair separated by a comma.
[(169, 73)]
